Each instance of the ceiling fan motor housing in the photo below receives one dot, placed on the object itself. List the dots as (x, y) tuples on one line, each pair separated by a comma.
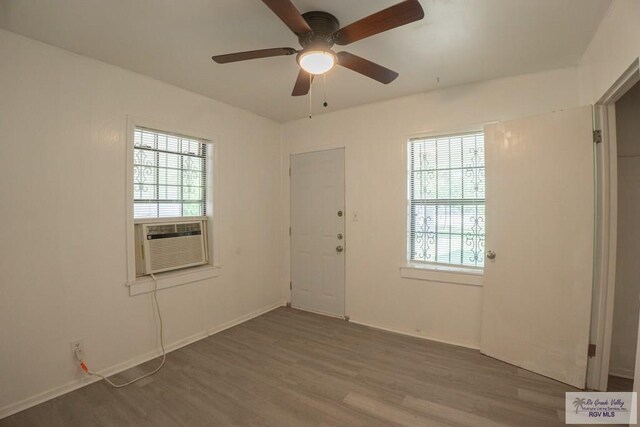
[(324, 26), (318, 32)]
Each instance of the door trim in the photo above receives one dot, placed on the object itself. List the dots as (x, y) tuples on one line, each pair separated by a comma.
[(606, 223), (346, 228)]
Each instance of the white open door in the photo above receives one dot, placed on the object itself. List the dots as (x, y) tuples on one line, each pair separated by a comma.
[(540, 224), (317, 231)]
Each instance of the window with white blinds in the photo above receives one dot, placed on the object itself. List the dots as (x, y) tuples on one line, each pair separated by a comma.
[(169, 175), (446, 186)]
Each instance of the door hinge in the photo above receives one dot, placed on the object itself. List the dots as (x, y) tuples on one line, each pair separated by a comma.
[(289, 171), (290, 286), (289, 231), (597, 136), (592, 350)]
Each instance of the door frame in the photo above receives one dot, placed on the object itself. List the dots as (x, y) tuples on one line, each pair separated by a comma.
[(606, 223), (346, 231)]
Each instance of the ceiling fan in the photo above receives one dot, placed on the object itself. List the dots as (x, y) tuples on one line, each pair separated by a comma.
[(317, 33)]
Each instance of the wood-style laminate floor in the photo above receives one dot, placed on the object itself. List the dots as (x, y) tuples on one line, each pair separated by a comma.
[(619, 384), (292, 368)]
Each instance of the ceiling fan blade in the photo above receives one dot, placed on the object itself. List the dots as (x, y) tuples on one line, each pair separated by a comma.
[(253, 54), (366, 67), (289, 15), (392, 17), (303, 83)]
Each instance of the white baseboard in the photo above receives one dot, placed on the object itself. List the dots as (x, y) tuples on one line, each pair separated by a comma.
[(27, 403), (621, 372), (414, 335)]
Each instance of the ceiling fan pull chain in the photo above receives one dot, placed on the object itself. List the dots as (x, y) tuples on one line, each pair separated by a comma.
[(324, 88), (310, 90)]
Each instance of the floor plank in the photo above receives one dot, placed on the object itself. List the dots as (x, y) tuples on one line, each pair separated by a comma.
[(619, 384), (293, 368)]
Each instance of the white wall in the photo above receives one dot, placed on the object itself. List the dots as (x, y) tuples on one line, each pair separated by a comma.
[(613, 49), (627, 287), (374, 136), (62, 250)]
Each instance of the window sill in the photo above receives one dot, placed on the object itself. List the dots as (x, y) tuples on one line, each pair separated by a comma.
[(443, 274), (170, 279)]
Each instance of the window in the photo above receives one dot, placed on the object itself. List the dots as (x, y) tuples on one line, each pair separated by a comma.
[(169, 175), (446, 186), (171, 181)]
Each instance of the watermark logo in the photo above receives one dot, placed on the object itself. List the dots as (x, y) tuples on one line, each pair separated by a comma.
[(601, 408)]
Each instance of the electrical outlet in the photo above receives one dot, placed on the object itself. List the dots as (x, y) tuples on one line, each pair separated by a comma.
[(77, 346)]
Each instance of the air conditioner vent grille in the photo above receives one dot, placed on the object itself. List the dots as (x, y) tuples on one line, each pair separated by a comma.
[(188, 227), (175, 252), (161, 229), (170, 246)]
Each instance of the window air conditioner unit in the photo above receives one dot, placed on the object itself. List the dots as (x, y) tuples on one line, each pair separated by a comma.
[(170, 246)]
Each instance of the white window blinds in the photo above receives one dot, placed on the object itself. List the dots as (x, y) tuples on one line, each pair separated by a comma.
[(446, 199), (169, 175)]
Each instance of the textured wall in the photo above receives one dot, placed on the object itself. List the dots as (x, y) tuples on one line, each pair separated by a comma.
[(62, 186)]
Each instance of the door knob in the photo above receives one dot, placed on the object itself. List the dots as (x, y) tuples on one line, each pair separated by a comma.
[(491, 255), (339, 248), (340, 236)]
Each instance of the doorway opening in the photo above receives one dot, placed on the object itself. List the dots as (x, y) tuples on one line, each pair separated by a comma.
[(616, 293), (626, 305)]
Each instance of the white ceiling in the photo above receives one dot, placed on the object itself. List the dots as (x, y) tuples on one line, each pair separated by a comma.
[(458, 41)]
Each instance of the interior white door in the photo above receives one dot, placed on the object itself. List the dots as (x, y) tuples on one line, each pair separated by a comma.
[(317, 231), (540, 224)]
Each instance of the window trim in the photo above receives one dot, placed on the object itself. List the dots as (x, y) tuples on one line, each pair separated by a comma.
[(428, 271), (139, 285)]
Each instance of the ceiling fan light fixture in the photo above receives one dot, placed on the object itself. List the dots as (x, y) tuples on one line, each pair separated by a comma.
[(318, 32), (317, 61)]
